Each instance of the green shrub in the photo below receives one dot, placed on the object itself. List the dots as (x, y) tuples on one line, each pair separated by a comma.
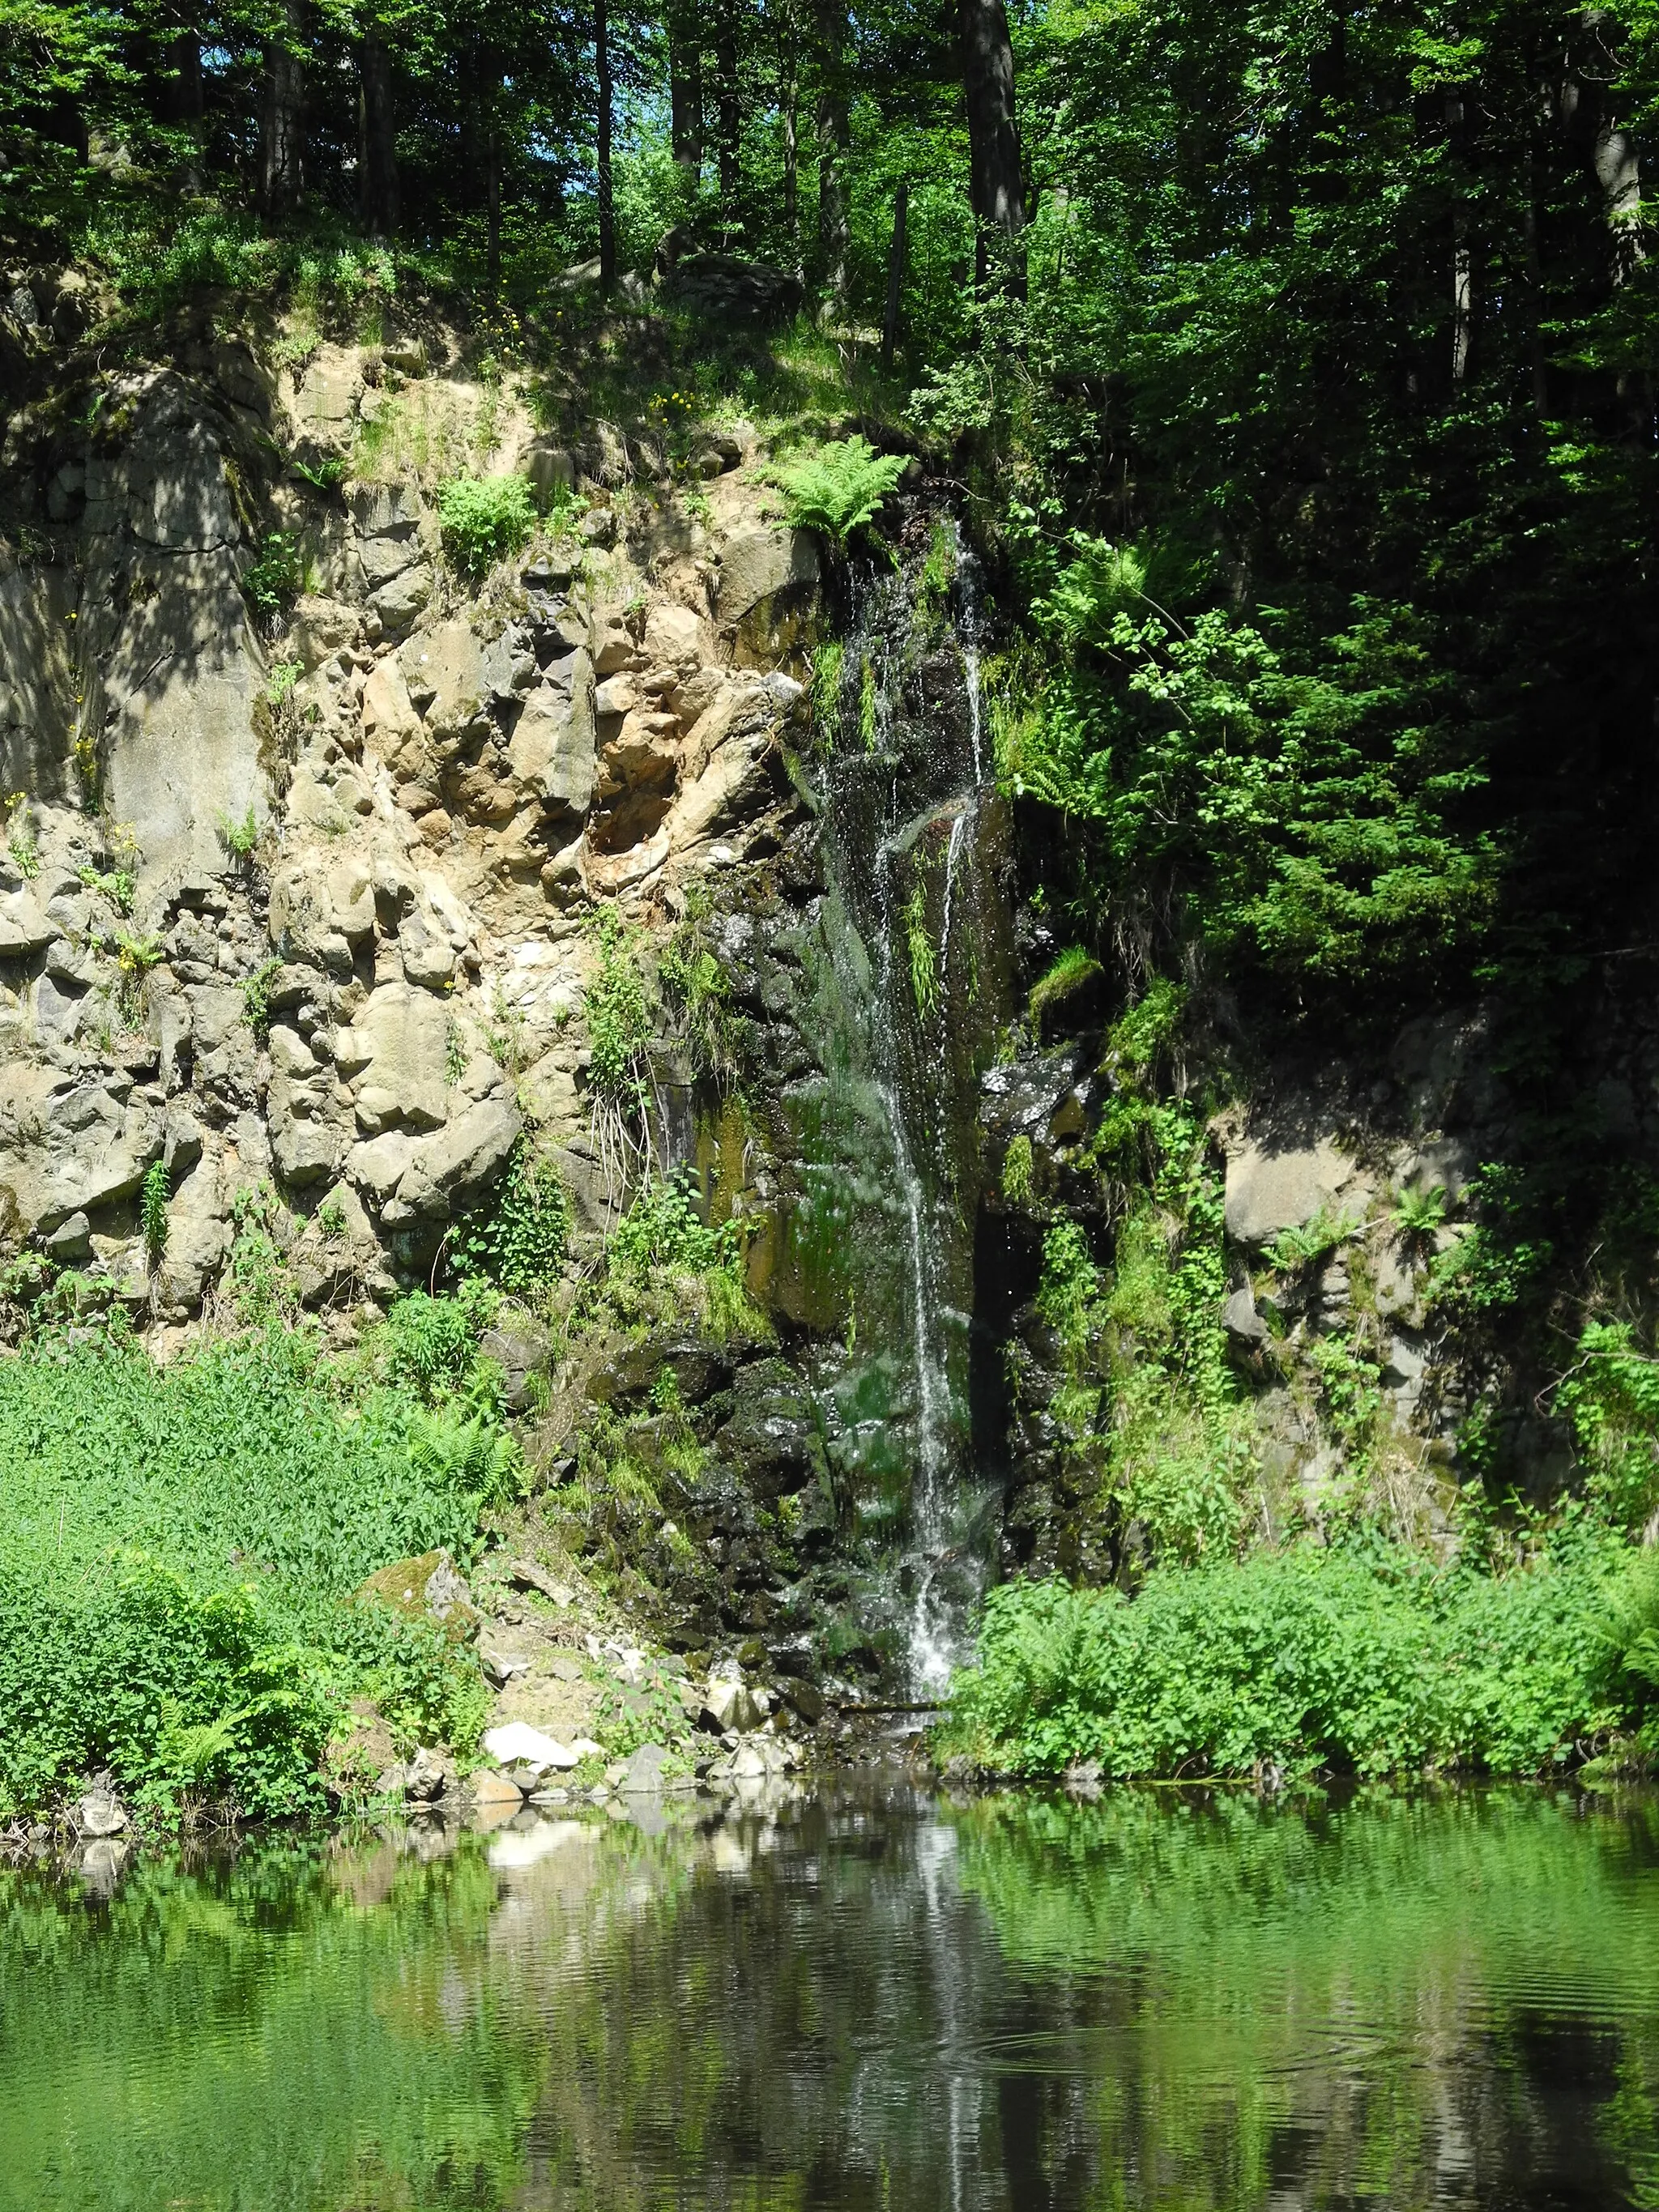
[(518, 1242), (178, 1548), (840, 489), (1017, 1170), (484, 519), (919, 946), (664, 1228), (1306, 1659), (152, 1210), (275, 577)]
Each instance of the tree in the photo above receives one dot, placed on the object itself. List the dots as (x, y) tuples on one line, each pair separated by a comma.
[(996, 191)]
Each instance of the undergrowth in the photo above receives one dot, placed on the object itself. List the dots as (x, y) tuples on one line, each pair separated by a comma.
[(179, 1547), (1311, 1659)]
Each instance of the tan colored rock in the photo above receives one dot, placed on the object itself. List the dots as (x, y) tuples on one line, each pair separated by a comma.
[(320, 627), (755, 564), (320, 909), (444, 672), (551, 752), (453, 1167), (377, 1165), (677, 638), (399, 1043), (391, 725), (1273, 1186)]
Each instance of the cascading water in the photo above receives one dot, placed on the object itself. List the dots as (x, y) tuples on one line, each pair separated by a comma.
[(914, 938)]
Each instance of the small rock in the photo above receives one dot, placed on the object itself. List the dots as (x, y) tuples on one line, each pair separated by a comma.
[(490, 1789), (428, 1777), (100, 1813), (642, 1775), (1240, 1318), (500, 1665), (517, 1742)]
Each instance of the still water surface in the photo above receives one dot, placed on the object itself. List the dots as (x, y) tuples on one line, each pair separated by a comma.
[(861, 1998)]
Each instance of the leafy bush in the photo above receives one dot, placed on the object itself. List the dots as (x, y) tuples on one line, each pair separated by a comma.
[(275, 577), (518, 1242), (484, 519), (153, 1209), (1017, 1169), (1304, 1659), (179, 1546), (1611, 1395), (840, 489)]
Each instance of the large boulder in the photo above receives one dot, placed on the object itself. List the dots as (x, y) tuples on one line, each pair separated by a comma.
[(453, 1167), (398, 1047), (321, 909), (757, 563), (551, 751), (1275, 1184)]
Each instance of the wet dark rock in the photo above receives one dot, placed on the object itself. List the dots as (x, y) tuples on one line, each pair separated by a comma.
[(771, 1440)]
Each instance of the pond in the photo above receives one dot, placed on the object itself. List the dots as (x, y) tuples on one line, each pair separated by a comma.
[(864, 1997)]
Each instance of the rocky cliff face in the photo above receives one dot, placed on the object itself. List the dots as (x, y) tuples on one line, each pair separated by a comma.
[(298, 903)]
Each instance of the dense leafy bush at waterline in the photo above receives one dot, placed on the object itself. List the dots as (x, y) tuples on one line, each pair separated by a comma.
[(178, 1547), (1306, 1659)]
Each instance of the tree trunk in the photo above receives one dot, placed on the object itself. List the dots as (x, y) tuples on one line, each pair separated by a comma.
[(789, 106), (282, 126), (1619, 173), (182, 102), (377, 168), (896, 272), (997, 194), (492, 208), (1462, 263), (1534, 294), (729, 111), (685, 94), (606, 195), (834, 137)]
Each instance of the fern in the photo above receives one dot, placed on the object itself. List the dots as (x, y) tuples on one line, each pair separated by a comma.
[(840, 489)]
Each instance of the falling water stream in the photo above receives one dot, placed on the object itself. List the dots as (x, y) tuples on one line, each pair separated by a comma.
[(906, 805)]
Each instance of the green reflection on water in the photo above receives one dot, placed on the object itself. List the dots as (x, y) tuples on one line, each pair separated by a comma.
[(873, 2001), (1348, 1992)]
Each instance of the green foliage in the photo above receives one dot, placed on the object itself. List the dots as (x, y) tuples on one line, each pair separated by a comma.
[(484, 519), (152, 1210), (1305, 1660), (919, 946), (1070, 1286), (256, 996), (275, 578), (1418, 1214), (518, 1242), (828, 659), (178, 1546), (120, 886), (838, 489), (1017, 1165), (618, 1007), (22, 843), (240, 837), (1610, 1395), (279, 686), (1294, 1250), (663, 1229), (697, 991)]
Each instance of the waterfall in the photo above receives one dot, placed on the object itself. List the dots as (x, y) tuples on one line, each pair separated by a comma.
[(916, 947)]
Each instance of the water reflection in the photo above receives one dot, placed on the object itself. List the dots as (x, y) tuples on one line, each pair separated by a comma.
[(859, 1998)]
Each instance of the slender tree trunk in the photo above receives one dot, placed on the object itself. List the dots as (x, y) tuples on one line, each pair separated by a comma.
[(606, 195), (182, 102), (1462, 259), (896, 272), (377, 167), (789, 106), (492, 208), (997, 193), (834, 137), (282, 125), (685, 94), (729, 111)]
